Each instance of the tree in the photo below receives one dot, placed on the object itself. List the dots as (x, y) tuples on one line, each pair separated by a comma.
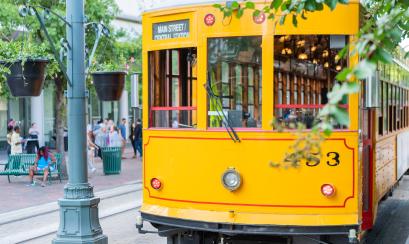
[(103, 11), (386, 25)]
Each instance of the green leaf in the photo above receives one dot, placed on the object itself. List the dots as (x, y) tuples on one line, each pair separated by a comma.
[(250, 5), (284, 7), (276, 4), (295, 22), (332, 4), (240, 13), (383, 56), (256, 13), (227, 13), (343, 1), (282, 19), (303, 15), (364, 69), (341, 116), (300, 8), (310, 5), (396, 34), (271, 16), (353, 87), (343, 75), (235, 5), (266, 9), (327, 128), (218, 6), (343, 52)]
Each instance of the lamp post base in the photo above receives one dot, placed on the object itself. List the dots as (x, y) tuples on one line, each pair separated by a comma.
[(79, 222)]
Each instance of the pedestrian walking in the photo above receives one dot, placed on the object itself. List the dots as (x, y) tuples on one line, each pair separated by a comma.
[(115, 139), (9, 134), (16, 141), (11, 123), (138, 137), (32, 143), (91, 146), (132, 138), (101, 138), (122, 129)]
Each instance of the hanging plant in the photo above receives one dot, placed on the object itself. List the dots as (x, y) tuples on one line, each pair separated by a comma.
[(109, 79), (23, 68)]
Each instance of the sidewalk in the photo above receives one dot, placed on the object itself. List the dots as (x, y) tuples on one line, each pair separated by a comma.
[(17, 194)]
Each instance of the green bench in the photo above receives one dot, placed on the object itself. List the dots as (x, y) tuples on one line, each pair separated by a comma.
[(19, 164)]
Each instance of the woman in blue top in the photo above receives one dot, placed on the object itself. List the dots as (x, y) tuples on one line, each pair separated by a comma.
[(44, 161)]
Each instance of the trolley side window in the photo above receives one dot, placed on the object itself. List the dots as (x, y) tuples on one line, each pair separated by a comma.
[(234, 81), (393, 115), (172, 88), (305, 67)]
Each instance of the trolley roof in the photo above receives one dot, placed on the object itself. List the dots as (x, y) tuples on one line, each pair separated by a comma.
[(180, 3)]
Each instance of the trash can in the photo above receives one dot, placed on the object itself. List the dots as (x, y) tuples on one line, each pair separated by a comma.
[(111, 160)]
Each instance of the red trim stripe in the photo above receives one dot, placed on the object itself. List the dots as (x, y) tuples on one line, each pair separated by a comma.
[(173, 108), (311, 106)]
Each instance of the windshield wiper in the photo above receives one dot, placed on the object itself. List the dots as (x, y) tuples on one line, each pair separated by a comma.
[(219, 109)]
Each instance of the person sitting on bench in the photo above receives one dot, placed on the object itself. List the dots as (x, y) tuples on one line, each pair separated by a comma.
[(43, 161)]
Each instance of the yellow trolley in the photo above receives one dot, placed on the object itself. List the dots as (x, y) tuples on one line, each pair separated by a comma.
[(211, 89)]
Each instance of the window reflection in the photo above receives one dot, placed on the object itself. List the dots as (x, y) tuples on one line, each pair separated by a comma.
[(234, 74), (172, 81), (304, 71)]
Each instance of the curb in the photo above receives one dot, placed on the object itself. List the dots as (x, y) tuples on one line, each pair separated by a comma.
[(53, 228), (46, 208)]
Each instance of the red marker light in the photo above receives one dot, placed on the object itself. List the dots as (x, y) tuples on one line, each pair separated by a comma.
[(260, 18), (209, 19), (328, 190), (156, 184)]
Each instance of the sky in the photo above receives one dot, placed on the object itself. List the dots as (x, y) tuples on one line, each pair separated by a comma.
[(405, 44)]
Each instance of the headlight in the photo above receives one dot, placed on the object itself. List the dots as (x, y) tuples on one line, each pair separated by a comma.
[(231, 179)]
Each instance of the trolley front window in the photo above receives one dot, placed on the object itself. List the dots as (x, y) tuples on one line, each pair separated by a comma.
[(305, 67), (234, 77), (172, 88)]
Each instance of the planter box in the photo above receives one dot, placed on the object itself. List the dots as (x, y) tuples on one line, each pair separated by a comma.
[(26, 81), (109, 85)]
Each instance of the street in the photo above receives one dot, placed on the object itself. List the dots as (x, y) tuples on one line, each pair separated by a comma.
[(118, 210)]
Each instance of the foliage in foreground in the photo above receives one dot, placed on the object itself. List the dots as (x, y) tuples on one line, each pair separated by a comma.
[(386, 25)]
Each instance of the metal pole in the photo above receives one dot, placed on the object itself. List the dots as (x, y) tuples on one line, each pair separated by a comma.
[(79, 222), (135, 78)]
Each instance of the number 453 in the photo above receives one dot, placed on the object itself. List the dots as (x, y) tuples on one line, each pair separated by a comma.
[(332, 159)]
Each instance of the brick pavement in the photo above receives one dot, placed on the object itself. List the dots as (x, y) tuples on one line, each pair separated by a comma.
[(17, 194)]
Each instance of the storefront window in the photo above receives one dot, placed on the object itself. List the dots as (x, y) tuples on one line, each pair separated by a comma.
[(234, 82)]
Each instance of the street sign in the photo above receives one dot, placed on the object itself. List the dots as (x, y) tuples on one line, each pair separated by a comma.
[(171, 29)]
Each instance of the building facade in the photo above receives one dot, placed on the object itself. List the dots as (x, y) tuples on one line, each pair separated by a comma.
[(41, 110)]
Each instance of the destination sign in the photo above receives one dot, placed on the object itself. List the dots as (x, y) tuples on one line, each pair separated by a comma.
[(171, 29)]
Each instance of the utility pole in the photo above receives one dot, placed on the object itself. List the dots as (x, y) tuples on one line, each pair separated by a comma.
[(79, 221)]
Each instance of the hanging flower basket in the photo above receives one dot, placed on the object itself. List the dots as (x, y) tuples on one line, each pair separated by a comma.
[(109, 85), (27, 81)]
